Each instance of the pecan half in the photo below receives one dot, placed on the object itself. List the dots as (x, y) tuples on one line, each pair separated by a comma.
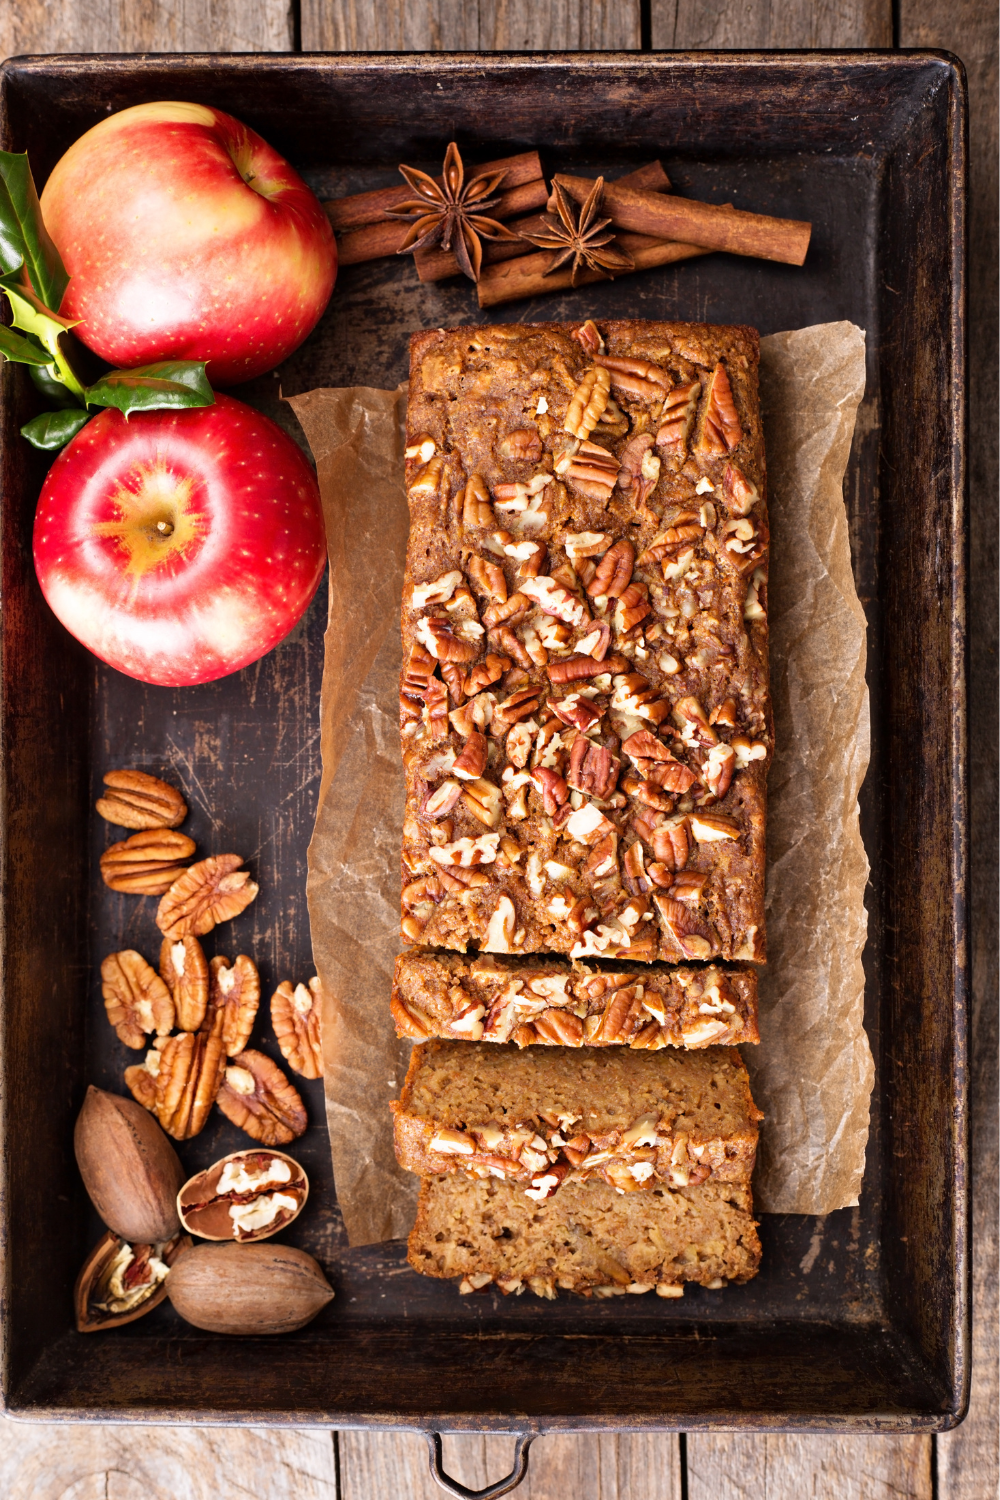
[(677, 417), (614, 571), (738, 492), (295, 1016), (136, 1000), (477, 511), (522, 443), (486, 672), (471, 763), (189, 1070), (137, 800), (589, 338), (720, 429), (257, 1097), (184, 970), (233, 998), (588, 402), (442, 642), (578, 668), (148, 863), (559, 1026), (636, 377), (487, 578), (209, 892)]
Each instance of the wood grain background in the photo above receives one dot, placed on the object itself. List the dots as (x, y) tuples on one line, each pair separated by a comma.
[(148, 1463)]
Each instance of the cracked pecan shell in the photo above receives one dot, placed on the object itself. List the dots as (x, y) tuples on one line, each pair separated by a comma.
[(187, 1070), (136, 1000), (295, 1016), (209, 892), (184, 970), (135, 799), (233, 998), (258, 1098), (148, 863)]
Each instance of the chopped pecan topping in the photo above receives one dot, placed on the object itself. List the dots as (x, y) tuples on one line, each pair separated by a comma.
[(670, 843), (693, 938), (724, 713), (739, 494), (507, 611), (633, 453), (592, 769), (485, 673), (505, 639), (418, 671), (442, 800), (633, 606), (501, 930), (677, 417), (427, 481), (257, 1097), (591, 468), (553, 599), (477, 511), (561, 1027), (136, 1000), (484, 801), (589, 338), (442, 642), (487, 578), (588, 402), (717, 769), (614, 571), (467, 852), (233, 998), (692, 720), (520, 705), (295, 1016), (552, 787), (148, 863), (633, 695), (436, 709), (409, 1020), (184, 970), (709, 828), (454, 679), (471, 764), (437, 591), (137, 800), (579, 668), (522, 443), (209, 892), (576, 711), (720, 429), (746, 751)]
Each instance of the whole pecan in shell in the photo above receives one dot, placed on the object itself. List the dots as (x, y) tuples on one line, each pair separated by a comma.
[(136, 800), (129, 1168), (258, 1098), (233, 998), (211, 891), (248, 1289), (184, 970), (148, 863), (136, 1000), (295, 1016)]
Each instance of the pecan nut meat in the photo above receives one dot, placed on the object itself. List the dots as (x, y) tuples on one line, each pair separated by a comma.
[(148, 863), (136, 1000), (187, 1071), (295, 1016), (233, 998), (184, 970), (209, 892), (135, 799), (258, 1098)]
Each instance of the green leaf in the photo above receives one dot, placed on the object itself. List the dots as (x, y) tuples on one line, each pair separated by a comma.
[(171, 382), (52, 388), (24, 239), (31, 315), (53, 429), (22, 351)]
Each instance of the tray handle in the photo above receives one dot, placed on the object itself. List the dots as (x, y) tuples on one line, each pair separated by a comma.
[(435, 1457)]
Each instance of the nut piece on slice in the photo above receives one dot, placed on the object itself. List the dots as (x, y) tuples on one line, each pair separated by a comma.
[(188, 1072), (184, 970), (135, 998), (295, 1016), (258, 1098), (211, 891), (129, 1168), (246, 1196), (148, 863), (249, 1289), (234, 995), (119, 1282), (137, 800)]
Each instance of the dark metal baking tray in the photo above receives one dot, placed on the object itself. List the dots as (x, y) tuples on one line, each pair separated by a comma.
[(858, 1321)]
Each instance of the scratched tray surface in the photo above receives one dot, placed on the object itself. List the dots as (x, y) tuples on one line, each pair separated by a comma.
[(246, 753)]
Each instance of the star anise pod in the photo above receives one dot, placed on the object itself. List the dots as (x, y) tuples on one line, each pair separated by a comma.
[(452, 214), (579, 234)]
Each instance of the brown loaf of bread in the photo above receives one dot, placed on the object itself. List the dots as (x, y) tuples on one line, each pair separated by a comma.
[(588, 1238), (584, 697), (544, 1117), (547, 1001)]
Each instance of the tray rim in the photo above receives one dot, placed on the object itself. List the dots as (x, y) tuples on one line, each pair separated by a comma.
[(464, 62)]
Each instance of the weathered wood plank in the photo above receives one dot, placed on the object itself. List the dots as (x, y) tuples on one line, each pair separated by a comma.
[(469, 25), (146, 26), (747, 24), (789, 1467), (43, 1462), (967, 1459), (606, 1466)]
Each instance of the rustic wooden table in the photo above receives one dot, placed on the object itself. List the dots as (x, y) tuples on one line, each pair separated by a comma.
[(150, 1463)]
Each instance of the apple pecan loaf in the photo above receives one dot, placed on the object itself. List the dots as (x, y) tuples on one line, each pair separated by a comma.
[(548, 1001), (544, 1117), (588, 1238), (584, 696)]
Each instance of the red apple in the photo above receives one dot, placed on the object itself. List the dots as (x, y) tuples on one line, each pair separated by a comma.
[(187, 237), (180, 545)]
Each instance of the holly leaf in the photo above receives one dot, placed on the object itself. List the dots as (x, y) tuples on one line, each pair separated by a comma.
[(53, 429), (21, 350), (24, 240), (170, 382)]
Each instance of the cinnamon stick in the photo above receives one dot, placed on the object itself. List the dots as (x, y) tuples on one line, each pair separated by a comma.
[(435, 264), (706, 224), (359, 209), (376, 240), (525, 277)]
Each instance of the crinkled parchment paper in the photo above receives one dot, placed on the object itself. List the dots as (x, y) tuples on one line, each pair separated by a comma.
[(813, 1071)]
